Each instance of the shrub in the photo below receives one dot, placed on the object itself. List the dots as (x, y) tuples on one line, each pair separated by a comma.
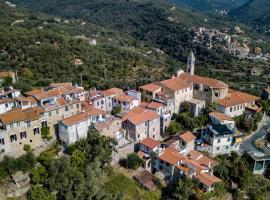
[(45, 133), (116, 110), (133, 161), (26, 147)]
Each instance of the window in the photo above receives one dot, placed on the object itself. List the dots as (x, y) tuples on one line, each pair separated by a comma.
[(6, 105), (227, 147), (153, 129), (216, 94), (23, 135), (231, 109), (11, 125), (218, 141), (97, 103), (36, 131), (57, 111), (102, 102), (44, 124), (138, 135), (28, 124), (78, 106), (217, 148), (229, 139), (13, 138), (2, 141), (66, 108), (18, 124)]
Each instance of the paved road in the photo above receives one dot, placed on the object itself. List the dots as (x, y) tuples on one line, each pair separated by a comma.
[(247, 145)]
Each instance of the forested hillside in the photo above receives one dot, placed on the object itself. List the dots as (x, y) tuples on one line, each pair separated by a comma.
[(137, 42), (210, 5), (127, 35), (254, 11), (43, 50)]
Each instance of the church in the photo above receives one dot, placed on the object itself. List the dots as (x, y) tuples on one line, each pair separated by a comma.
[(205, 89)]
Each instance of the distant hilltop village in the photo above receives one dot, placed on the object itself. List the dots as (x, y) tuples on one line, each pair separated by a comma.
[(137, 119), (233, 41)]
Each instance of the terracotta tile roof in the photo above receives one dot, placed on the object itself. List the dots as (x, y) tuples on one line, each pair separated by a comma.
[(175, 84), (184, 168), (150, 143), (5, 74), (134, 111), (100, 126), (208, 179), (187, 136), (66, 84), (17, 115), (74, 91), (201, 159), (124, 98), (2, 101), (267, 90), (151, 87), (171, 156), (144, 104), (220, 116), (112, 91), (48, 94), (146, 179), (33, 92), (236, 98), (86, 105), (143, 117), (140, 154), (155, 105), (75, 119), (61, 101), (203, 80)]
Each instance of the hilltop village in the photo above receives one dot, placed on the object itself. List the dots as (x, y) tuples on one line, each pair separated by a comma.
[(141, 121)]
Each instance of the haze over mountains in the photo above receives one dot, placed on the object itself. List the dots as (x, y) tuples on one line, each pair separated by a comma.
[(254, 11), (210, 5)]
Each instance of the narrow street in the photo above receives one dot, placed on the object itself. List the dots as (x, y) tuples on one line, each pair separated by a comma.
[(247, 145)]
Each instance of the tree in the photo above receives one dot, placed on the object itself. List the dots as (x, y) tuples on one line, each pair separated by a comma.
[(27, 73), (174, 128), (183, 189), (39, 175), (8, 81), (37, 192), (133, 161), (95, 147), (211, 108), (116, 110), (78, 160), (45, 133)]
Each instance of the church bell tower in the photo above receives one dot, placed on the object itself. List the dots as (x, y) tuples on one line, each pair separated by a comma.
[(191, 63)]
